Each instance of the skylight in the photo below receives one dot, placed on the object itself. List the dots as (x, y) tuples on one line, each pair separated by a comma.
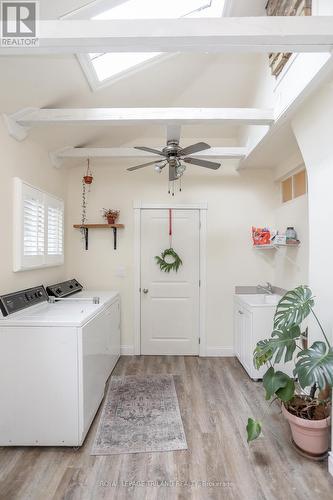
[(107, 66), (154, 9)]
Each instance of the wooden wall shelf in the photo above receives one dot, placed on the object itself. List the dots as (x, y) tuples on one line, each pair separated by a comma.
[(86, 228)]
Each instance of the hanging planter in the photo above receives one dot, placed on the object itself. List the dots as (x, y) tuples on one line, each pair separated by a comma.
[(88, 178), (169, 260)]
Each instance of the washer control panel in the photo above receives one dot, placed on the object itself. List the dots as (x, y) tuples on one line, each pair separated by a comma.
[(64, 289), (16, 301)]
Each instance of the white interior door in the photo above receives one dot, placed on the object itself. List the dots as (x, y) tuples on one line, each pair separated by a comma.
[(170, 301)]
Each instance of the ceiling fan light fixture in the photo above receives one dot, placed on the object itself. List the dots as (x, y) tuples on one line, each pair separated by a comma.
[(180, 170)]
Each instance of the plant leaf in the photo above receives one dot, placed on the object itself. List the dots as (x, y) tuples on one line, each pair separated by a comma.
[(286, 393), (315, 365), (274, 381), (262, 353), (253, 429), (293, 308), (284, 339)]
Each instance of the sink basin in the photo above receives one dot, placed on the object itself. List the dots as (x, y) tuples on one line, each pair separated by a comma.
[(260, 300)]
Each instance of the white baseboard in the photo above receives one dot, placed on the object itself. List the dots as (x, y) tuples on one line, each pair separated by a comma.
[(330, 463), (221, 352), (127, 350)]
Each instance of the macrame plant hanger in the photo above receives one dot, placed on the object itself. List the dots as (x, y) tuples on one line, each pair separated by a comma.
[(87, 180)]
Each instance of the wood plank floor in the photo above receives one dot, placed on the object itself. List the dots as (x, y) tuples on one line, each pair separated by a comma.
[(216, 397)]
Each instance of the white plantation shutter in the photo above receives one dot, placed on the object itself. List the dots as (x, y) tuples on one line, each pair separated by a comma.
[(55, 228), (33, 228), (38, 228)]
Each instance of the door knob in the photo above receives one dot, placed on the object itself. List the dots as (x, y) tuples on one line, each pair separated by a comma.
[(145, 290)]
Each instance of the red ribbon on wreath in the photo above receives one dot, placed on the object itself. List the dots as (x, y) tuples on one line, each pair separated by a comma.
[(170, 227)]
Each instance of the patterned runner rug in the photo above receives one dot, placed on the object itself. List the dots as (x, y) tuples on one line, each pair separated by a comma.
[(140, 414)]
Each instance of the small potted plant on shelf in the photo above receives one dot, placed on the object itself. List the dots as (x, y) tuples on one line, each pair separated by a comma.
[(306, 399), (110, 215)]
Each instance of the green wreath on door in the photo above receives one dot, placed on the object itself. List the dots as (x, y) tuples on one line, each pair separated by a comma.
[(169, 260)]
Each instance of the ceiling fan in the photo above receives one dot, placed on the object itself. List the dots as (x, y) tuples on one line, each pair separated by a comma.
[(174, 156)]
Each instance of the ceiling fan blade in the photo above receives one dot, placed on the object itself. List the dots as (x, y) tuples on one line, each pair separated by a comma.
[(142, 166), (150, 150), (195, 148), (202, 163)]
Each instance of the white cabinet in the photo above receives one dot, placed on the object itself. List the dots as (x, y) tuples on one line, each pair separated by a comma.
[(251, 324), (244, 339)]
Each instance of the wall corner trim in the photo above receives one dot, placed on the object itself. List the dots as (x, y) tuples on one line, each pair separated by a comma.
[(127, 350), (330, 463)]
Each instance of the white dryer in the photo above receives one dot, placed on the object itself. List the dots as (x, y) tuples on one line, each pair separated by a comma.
[(55, 359)]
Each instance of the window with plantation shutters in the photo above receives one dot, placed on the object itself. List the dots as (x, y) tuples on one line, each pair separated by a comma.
[(38, 228)]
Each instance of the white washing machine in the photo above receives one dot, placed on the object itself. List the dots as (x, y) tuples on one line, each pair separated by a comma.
[(55, 359)]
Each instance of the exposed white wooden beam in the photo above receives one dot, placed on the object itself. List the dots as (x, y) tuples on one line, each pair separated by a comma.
[(130, 116), (226, 34), (58, 157), (15, 129)]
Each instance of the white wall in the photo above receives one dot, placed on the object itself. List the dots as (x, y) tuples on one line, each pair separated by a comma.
[(235, 202), (29, 162), (322, 8), (291, 265), (312, 127), (313, 130), (263, 98)]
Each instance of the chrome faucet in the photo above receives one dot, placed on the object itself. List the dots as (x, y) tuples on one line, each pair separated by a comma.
[(267, 289)]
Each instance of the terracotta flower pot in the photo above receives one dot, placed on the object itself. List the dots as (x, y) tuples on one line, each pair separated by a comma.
[(311, 437), (88, 179), (111, 219)]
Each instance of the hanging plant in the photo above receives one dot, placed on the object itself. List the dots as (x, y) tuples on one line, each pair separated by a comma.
[(88, 178), (169, 260)]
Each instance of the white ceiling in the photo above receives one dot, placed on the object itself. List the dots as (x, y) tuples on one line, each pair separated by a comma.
[(277, 148), (53, 9), (194, 80), (182, 80)]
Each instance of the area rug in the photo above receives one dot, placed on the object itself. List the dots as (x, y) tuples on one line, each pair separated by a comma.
[(140, 414)]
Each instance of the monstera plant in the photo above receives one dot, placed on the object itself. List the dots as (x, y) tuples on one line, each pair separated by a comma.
[(306, 396)]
